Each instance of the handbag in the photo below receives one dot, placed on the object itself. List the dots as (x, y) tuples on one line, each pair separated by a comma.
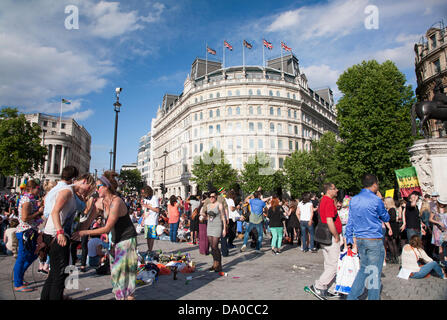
[(322, 233)]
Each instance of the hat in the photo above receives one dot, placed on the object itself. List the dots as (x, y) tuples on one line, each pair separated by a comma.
[(435, 194), (442, 201)]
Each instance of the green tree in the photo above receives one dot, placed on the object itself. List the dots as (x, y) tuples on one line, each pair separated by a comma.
[(257, 173), (374, 122), (132, 180), (299, 169), (21, 149), (213, 170)]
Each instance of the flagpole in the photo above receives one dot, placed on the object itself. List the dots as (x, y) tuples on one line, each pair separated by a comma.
[(282, 64), (206, 62), (263, 54), (60, 118), (223, 56), (243, 56)]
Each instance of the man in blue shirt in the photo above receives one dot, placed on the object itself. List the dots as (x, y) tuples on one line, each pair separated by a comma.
[(255, 220), (366, 214)]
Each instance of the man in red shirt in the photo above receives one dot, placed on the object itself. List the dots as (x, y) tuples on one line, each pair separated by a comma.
[(325, 285)]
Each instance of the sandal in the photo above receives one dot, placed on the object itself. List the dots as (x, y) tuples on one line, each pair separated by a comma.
[(23, 289)]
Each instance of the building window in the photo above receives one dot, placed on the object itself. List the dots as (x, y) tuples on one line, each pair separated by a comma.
[(53, 124), (294, 97), (296, 145), (296, 130), (45, 123), (433, 41), (272, 163), (259, 110), (288, 95), (230, 111), (210, 129), (211, 96), (260, 144), (201, 115), (218, 95), (201, 98), (290, 145), (272, 143), (195, 133), (218, 144), (230, 144), (258, 92), (195, 117), (278, 94), (290, 129), (251, 144), (250, 110), (238, 126), (271, 111), (437, 66), (238, 143), (230, 127), (211, 113), (250, 92), (272, 128), (279, 144), (279, 126), (281, 163), (195, 148), (251, 126), (218, 128), (259, 126), (201, 147), (238, 110), (278, 111), (63, 125), (218, 113), (289, 113), (195, 100), (294, 114), (271, 93), (229, 93), (238, 92)]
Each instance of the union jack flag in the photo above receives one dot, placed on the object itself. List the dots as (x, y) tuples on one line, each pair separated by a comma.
[(248, 45), (226, 44), (283, 45), (268, 45), (210, 50)]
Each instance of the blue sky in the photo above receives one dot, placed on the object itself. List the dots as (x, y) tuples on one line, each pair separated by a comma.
[(147, 47)]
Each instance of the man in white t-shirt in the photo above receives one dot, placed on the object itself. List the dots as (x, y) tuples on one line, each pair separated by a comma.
[(233, 218), (150, 206)]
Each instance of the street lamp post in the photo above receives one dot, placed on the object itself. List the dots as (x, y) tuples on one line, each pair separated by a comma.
[(117, 106), (110, 165), (165, 153)]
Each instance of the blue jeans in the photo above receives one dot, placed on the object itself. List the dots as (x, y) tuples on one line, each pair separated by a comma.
[(305, 226), (432, 267), (371, 254), (173, 227), (25, 258), (258, 227), (239, 226)]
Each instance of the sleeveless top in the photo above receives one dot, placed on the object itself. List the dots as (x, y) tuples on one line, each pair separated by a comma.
[(23, 226), (67, 212), (123, 229)]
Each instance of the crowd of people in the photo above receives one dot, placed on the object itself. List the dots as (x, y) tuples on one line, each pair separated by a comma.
[(52, 222)]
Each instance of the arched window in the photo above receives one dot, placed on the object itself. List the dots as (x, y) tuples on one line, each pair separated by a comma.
[(271, 93), (250, 92), (271, 111)]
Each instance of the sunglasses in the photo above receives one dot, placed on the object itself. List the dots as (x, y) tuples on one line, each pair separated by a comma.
[(212, 196), (99, 186)]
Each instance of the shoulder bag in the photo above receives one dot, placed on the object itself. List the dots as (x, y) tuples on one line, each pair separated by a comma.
[(322, 233)]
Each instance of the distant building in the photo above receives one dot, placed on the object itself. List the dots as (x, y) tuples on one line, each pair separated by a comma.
[(126, 167), (431, 65), (242, 110), (144, 158)]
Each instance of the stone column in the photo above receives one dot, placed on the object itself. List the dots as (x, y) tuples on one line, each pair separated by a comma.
[(62, 163), (53, 158)]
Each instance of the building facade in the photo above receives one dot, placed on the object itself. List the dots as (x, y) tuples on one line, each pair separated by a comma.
[(67, 142), (242, 111), (431, 66), (144, 158)]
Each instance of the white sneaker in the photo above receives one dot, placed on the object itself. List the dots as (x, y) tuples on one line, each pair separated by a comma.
[(243, 248), (384, 263)]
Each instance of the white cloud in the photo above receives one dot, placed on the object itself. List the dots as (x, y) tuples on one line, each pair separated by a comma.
[(82, 115), (332, 20), (320, 76)]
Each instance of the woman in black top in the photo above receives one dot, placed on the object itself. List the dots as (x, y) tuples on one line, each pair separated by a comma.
[(123, 255), (293, 224), (276, 224), (411, 217)]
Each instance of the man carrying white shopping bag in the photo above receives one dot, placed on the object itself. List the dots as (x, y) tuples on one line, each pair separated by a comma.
[(366, 214), (348, 267)]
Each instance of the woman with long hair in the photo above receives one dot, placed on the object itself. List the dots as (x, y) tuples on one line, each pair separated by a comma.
[(216, 228), (412, 255), (62, 205), (293, 223), (123, 254), (277, 223), (194, 204), (29, 219), (174, 217), (305, 212)]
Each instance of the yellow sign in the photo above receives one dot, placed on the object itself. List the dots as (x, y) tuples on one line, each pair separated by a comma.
[(389, 193)]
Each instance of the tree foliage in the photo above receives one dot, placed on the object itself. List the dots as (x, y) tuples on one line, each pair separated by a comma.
[(257, 173), (21, 149), (131, 179), (374, 122), (213, 170)]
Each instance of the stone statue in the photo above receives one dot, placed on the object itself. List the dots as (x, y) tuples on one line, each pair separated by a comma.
[(426, 110)]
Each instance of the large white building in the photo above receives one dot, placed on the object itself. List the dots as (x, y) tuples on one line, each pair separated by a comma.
[(67, 142), (241, 110)]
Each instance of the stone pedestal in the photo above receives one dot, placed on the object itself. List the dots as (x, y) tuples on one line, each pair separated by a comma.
[(429, 157)]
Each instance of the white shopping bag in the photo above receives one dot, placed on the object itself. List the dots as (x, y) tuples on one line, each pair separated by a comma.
[(348, 266)]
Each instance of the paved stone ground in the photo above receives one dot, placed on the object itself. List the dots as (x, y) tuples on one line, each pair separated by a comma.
[(251, 276)]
